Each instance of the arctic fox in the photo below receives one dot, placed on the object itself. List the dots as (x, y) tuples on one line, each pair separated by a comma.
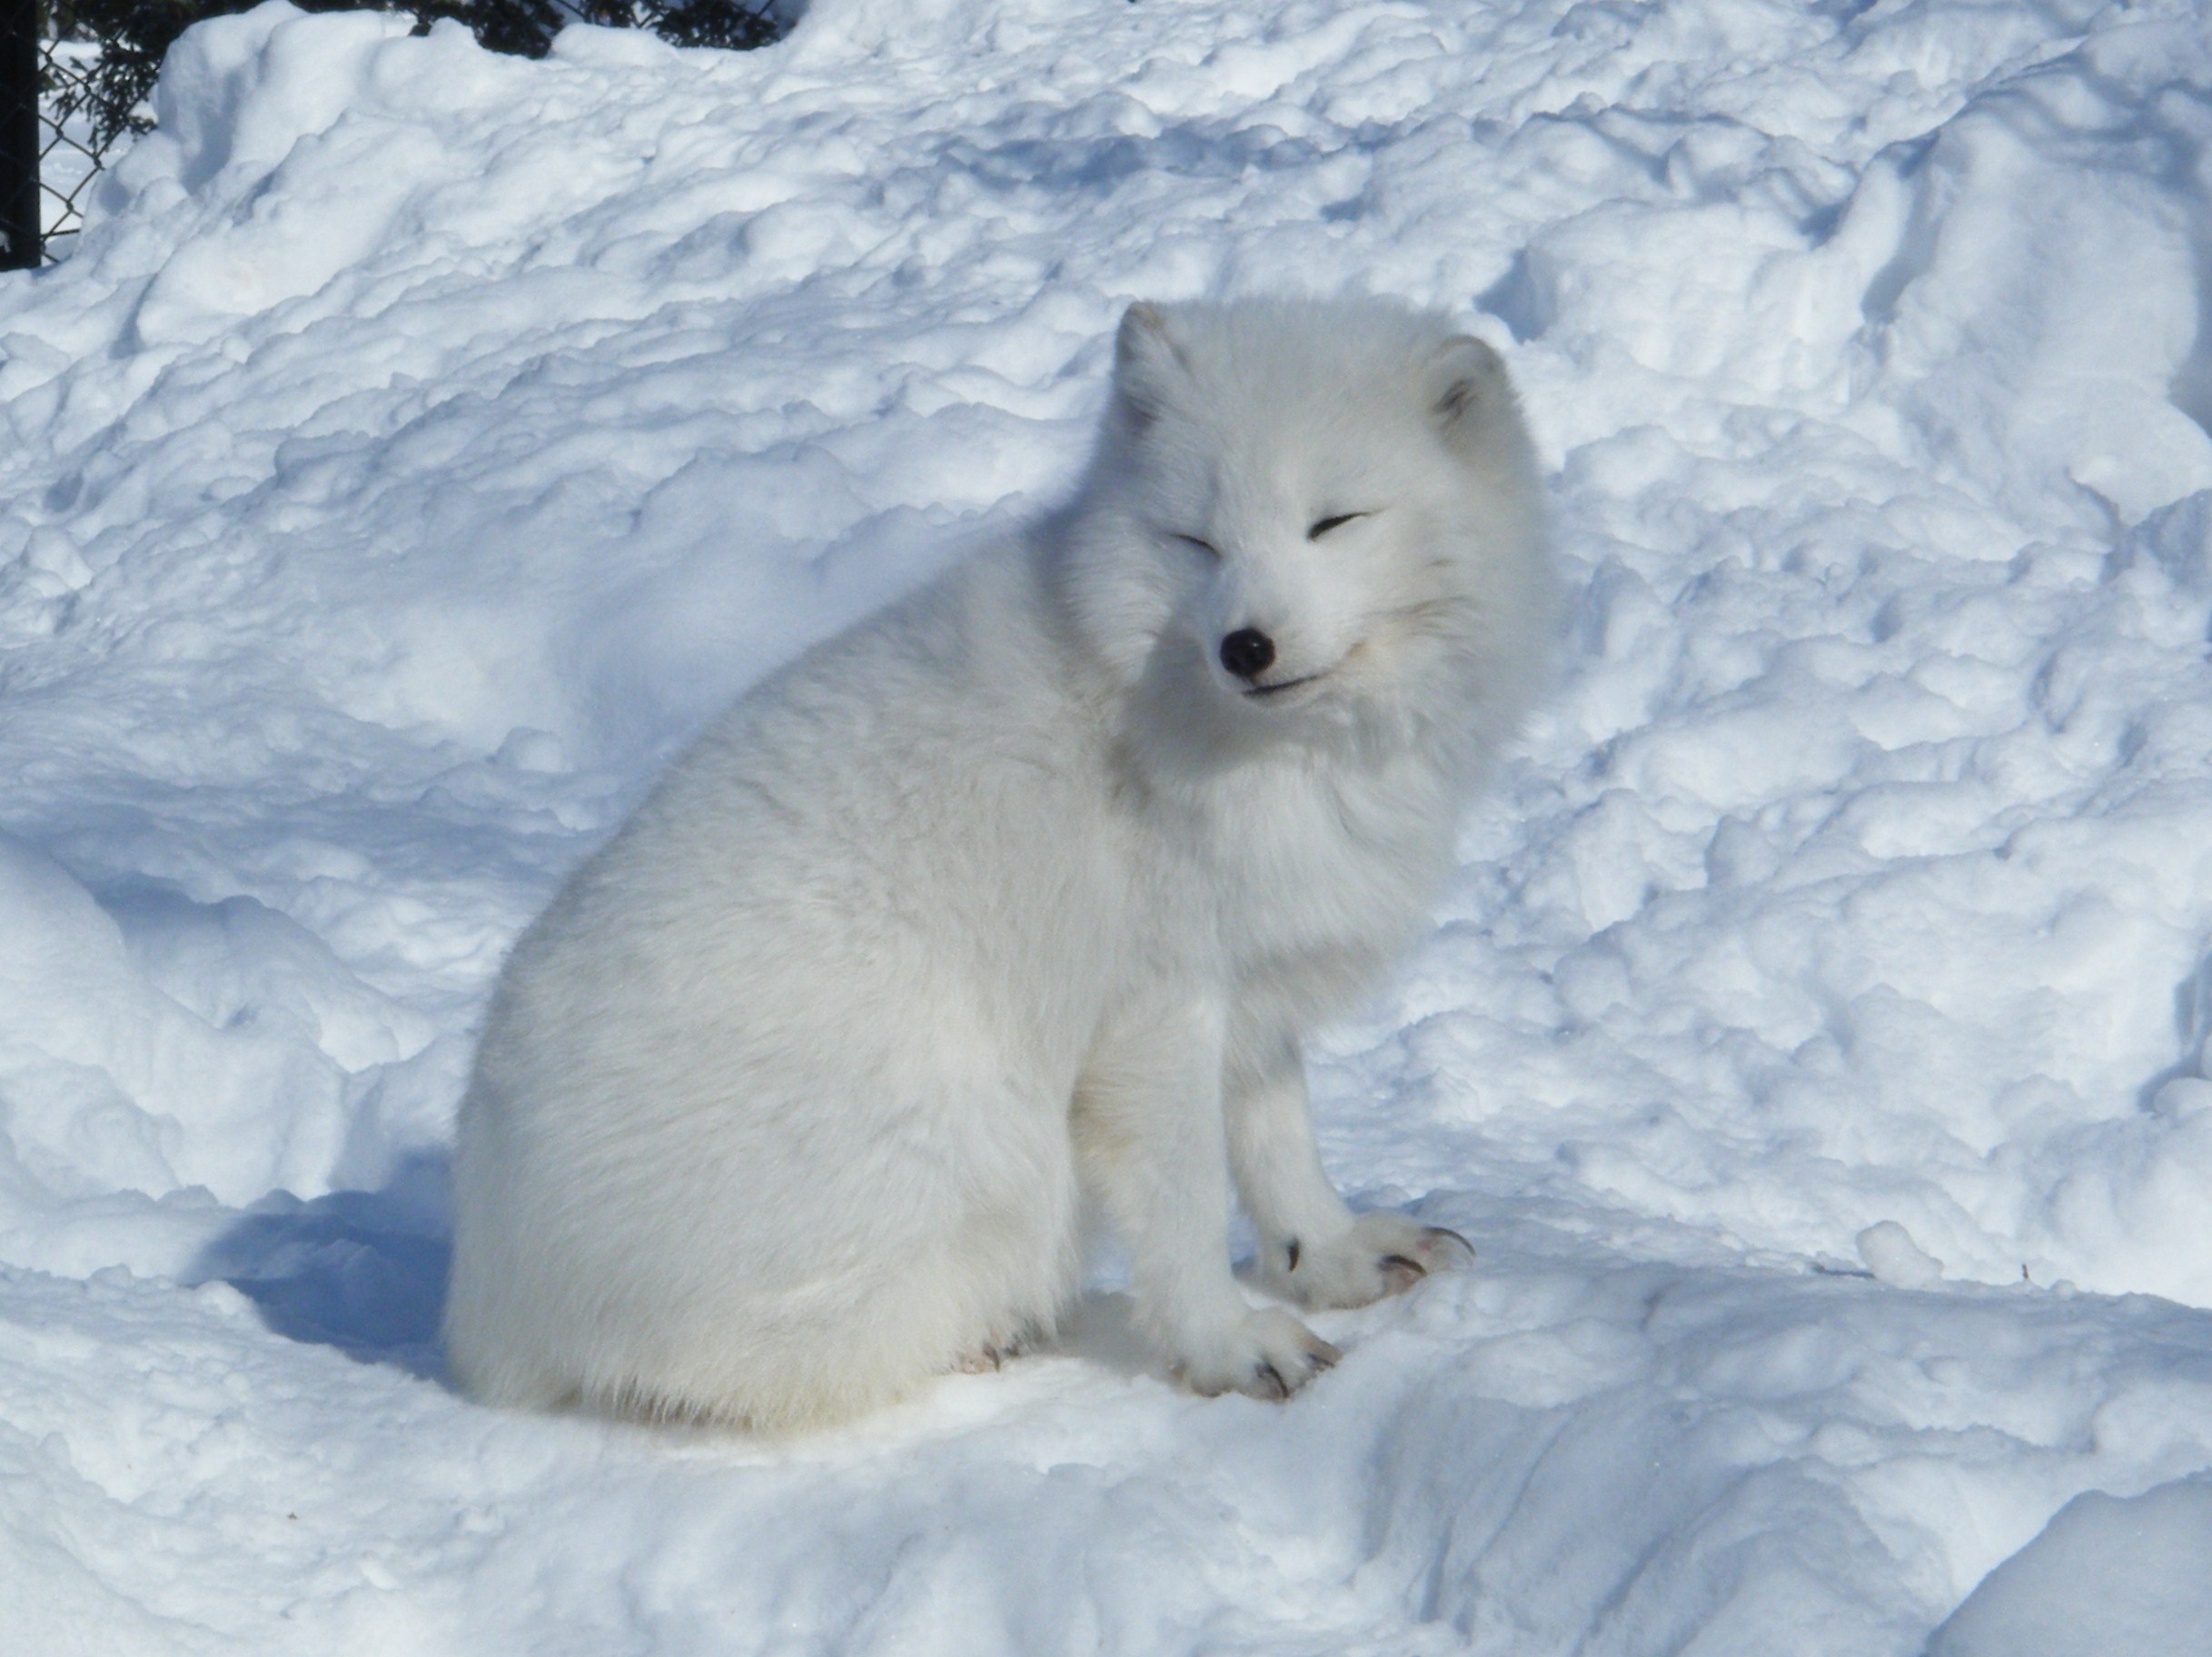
[(1014, 901)]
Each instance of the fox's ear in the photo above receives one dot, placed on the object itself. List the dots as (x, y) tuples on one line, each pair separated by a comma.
[(1466, 381), (1148, 361)]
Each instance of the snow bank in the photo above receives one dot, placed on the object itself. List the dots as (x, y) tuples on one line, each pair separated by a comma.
[(419, 443), (2108, 1576)]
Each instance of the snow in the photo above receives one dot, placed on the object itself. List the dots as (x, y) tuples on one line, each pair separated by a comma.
[(2107, 1574), (418, 443), (1894, 1258)]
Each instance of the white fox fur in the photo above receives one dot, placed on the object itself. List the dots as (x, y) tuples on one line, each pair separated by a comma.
[(1017, 893)]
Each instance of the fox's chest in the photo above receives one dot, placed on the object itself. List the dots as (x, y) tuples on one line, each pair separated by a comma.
[(1320, 879)]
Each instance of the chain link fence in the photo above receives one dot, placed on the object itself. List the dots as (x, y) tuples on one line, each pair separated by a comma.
[(51, 147), (72, 149), (74, 76)]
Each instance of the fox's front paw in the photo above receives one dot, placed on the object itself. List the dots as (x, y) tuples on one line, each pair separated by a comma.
[(1383, 1254), (1269, 1354)]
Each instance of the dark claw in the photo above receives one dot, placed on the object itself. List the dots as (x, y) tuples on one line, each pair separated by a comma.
[(1400, 1273), (1273, 1377), (1445, 1231)]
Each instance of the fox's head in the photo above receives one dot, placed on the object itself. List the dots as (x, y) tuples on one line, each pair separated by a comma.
[(1303, 509)]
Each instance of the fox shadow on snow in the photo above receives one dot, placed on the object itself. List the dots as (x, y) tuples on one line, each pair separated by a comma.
[(363, 1271)]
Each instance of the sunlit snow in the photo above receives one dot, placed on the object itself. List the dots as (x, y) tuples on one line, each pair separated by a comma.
[(419, 443)]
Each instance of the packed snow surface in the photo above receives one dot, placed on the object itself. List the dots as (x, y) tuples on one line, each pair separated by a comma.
[(420, 444), (2107, 1574)]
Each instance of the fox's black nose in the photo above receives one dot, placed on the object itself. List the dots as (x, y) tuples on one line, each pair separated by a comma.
[(1247, 652)]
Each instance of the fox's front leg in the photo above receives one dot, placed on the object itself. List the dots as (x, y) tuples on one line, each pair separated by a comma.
[(1311, 1247), (1148, 1134)]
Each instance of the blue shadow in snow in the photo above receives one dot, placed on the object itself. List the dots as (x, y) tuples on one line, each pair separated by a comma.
[(362, 1271)]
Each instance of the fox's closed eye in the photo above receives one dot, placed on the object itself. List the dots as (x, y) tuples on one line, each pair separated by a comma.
[(1323, 525), (1205, 547)]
